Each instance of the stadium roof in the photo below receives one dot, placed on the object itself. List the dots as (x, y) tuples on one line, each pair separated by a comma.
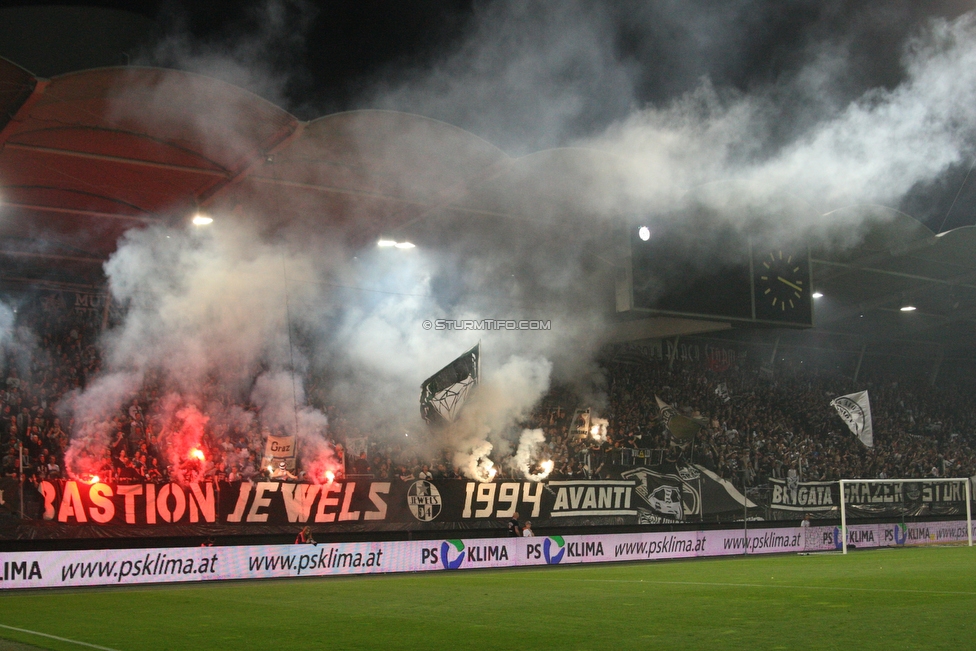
[(901, 263), (87, 155)]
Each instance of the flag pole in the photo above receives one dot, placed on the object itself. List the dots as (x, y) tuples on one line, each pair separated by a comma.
[(745, 495), (22, 480), (745, 515)]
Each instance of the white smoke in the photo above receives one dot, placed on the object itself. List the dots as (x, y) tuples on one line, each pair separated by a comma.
[(7, 321), (874, 150), (20, 350), (92, 411), (202, 302), (262, 60), (471, 459), (206, 320), (527, 76), (528, 446), (280, 399), (504, 397), (840, 122), (7, 318), (223, 307)]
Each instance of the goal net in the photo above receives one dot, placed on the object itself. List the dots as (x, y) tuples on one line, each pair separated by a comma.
[(872, 497)]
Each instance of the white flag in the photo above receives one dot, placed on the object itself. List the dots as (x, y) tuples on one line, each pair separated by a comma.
[(856, 412), (279, 449), (722, 391)]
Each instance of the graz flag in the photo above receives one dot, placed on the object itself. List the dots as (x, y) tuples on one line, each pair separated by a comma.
[(855, 409), (443, 394), (682, 428), (278, 449)]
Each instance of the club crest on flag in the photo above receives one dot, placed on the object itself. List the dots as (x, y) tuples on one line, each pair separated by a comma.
[(855, 409)]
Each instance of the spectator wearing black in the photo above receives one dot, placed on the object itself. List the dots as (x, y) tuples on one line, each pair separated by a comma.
[(514, 528)]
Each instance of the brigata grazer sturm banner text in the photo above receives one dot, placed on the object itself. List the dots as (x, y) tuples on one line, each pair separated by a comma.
[(880, 499)]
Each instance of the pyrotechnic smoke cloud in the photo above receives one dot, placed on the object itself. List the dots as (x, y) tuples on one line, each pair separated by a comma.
[(820, 113), (874, 150), (209, 309), (523, 459), (263, 59), (205, 322), (7, 321), (18, 345)]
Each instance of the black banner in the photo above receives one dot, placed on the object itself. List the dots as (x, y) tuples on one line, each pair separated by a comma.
[(9, 496), (804, 497), (678, 493), (421, 504), (672, 492), (866, 500)]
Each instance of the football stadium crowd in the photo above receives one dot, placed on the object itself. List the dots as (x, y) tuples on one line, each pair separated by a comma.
[(755, 425)]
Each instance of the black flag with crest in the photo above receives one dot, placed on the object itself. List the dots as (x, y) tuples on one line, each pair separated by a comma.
[(443, 394)]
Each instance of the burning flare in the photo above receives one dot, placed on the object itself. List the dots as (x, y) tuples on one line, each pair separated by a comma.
[(532, 446), (598, 429)]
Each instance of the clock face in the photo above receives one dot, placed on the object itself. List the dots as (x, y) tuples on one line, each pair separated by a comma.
[(782, 283)]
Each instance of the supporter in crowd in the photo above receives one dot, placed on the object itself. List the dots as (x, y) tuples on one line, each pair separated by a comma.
[(304, 537), (281, 473)]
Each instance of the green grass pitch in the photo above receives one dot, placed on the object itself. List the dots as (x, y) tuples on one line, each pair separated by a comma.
[(922, 598)]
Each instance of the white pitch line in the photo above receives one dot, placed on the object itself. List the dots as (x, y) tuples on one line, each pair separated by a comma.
[(55, 637), (765, 585)]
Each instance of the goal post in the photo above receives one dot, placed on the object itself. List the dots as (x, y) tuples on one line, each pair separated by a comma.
[(931, 480)]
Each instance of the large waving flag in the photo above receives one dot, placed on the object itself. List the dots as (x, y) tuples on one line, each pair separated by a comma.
[(682, 428), (444, 393), (855, 409)]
